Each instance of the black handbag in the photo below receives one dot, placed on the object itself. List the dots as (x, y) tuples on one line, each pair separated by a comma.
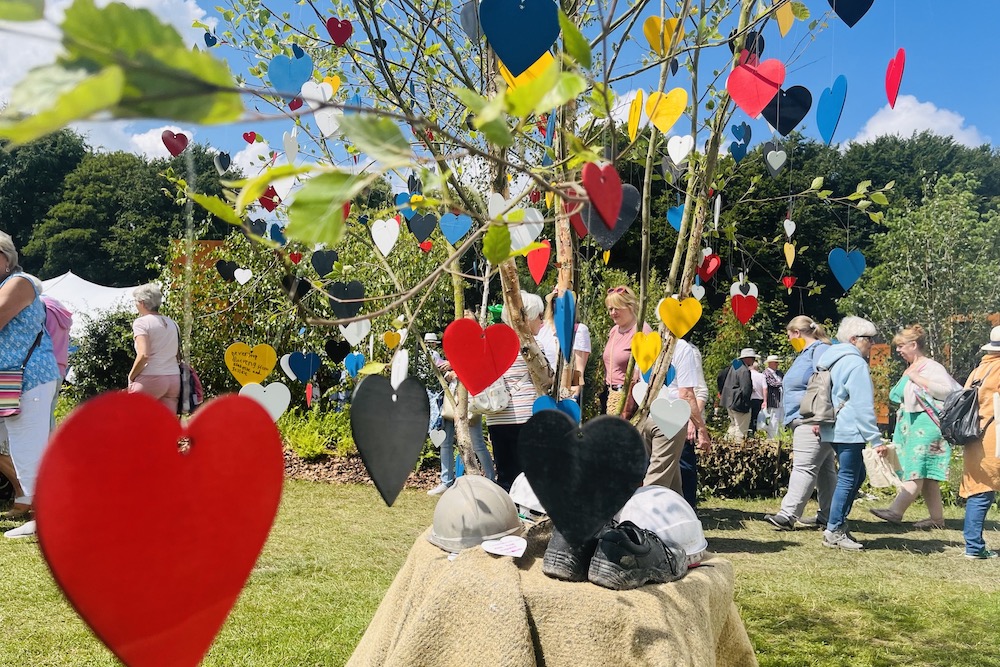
[(960, 416)]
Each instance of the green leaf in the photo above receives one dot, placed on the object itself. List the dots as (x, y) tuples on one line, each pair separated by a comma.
[(372, 368), (817, 183), (864, 186), (876, 216), (473, 100), (316, 215), (889, 186), (800, 11), (377, 136), (496, 244), (576, 45), (251, 189), (21, 10), (863, 204), (497, 132), (526, 98), (220, 209), (88, 96), (824, 194), (879, 198)]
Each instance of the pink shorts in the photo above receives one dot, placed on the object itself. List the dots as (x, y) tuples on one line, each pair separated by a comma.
[(164, 388)]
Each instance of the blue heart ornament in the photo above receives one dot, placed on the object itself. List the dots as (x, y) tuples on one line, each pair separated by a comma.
[(738, 151), (297, 51), (564, 314), (210, 40), (454, 227), (402, 200), (671, 374), (674, 216), (277, 234), (356, 102), (469, 17), (520, 31), (353, 362), (566, 406), (847, 267), (742, 132), (830, 107), (288, 74), (304, 366), (550, 128)]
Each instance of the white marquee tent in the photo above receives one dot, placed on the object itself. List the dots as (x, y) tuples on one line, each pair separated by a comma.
[(86, 300)]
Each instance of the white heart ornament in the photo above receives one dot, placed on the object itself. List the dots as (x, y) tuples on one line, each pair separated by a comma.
[(402, 335), (291, 143), (355, 332), (789, 227), (328, 120), (243, 276), (640, 388), (718, 210), (437, 437), (670, 416), (283, 362), (496, 205), (705, 252), (275, 397), (777, 159), (698, 291), (400, 368), (734, 289), (385, 233), (511, 545), (678, 148), (316, 94), (524, 233)]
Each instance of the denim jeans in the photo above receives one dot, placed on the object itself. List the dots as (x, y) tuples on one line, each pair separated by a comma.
[(849, 478), (976, 507), (478, 446)]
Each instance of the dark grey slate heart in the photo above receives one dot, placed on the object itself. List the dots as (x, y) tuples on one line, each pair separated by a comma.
[(389, 428), (422, 224), (295, 287), (788, 108), (626, 216), (323, 261), (343, 298), (227, 270), (337, 350), (581, 475), (470, 21), (255, 227), (222, 162)]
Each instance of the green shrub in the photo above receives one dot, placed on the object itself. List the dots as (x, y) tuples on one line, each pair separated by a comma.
[(753, 468), (103, 357), (313, 434)]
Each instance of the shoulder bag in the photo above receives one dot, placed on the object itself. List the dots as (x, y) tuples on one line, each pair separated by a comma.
[(12, 383)]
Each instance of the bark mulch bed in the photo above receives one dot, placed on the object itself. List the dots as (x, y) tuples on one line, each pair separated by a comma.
[(348, 470)]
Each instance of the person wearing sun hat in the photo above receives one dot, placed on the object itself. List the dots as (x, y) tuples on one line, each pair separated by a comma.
[(981, 465)]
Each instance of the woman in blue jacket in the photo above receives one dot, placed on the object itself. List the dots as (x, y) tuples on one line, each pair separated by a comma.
[(855, 425)]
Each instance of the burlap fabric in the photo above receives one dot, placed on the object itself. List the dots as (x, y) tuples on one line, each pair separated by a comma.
[(485, 610)]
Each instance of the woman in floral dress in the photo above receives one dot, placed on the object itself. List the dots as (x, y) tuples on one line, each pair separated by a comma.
[(923, 454)]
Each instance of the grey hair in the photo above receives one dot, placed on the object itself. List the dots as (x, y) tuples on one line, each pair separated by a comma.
[(149, 295), (534, 307), (9, 251), (851, 327)]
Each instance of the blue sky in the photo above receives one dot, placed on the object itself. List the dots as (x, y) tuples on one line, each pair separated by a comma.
[(946, 86)]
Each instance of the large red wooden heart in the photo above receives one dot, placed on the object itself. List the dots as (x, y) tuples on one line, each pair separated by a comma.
[(894, 76), (744, 307), (479, 357), (576, 219), (175, 142), (270, 200), (538, 261), (604, 187), (752, 86), (340, 31), (152, 546), (709, 266)]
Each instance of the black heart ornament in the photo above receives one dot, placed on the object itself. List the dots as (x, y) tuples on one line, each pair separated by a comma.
[(255, 227), (674, 66), (753, 42), (851, 11), (344, 298), (323, 261), (744, 288), (414, 185), (295, 287), (421, 225), (581, 475), (222, 163), (389, 428), (227, 270), (787, 109), (337, 350), (631, 201)]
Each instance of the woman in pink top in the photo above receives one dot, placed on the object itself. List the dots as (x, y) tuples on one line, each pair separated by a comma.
[(623, 307), (155, 370)]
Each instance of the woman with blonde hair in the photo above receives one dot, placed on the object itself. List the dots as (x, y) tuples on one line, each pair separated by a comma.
[(924, 454), (623, 308), (813, 461)]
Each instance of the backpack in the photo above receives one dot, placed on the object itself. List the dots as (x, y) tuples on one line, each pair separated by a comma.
[(959, 419), (191, 391), (58, 320), (738, 401), (817, 402)]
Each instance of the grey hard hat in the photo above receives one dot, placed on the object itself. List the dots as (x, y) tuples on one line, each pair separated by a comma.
[(472, 511)]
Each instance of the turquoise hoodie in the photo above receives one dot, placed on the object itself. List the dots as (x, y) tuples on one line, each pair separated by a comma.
[(852, 388)]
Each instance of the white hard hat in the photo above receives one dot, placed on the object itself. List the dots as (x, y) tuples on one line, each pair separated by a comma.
[(472, 511), (524, 497), (666, 513)]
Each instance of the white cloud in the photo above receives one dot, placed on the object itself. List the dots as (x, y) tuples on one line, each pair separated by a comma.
[(911, 115)]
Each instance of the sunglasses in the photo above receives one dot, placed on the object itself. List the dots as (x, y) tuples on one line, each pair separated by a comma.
[(618, 290)]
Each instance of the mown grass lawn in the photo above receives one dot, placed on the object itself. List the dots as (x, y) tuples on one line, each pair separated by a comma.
[(909, 599)]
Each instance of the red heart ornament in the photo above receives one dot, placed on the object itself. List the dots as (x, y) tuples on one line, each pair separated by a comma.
[(576, 219), (270, 200), (175, 143), (788, 282), (347, 209), (604, 187), (156, 579), (426, 246), (752, 86), (340, 31), (479, 357), (538, 261), (894, 76), (295, 104), (744, 307), (296, 257), (535, 196), (709, 266), (309, 394), (249, 137)]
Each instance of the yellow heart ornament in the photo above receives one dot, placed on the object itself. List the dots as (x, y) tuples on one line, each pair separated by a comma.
[(334, 82), (250, 365), (646, 348), (679, 316), (391, 339), (789, 254), (606, 256), (635, 115), (659, 33), (786, 18), (664, 110), (536, 70)]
